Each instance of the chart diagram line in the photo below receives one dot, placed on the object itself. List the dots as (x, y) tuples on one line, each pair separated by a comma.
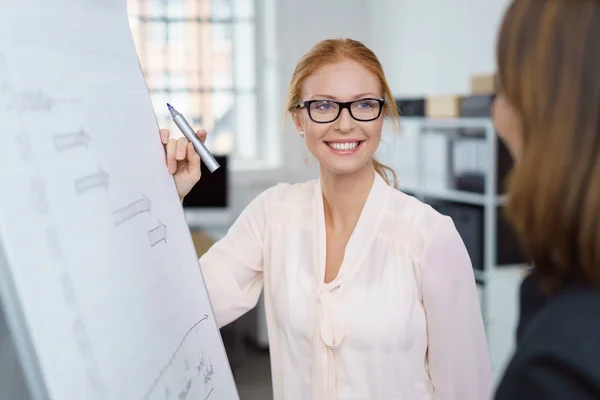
[(166, 367)]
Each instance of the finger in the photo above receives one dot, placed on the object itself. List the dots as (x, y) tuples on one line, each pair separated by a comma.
[(193, 162), (171, 161), (201, 133), (180, 150), (164, 136)]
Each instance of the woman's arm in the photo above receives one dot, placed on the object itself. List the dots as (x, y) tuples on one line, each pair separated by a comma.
[(458, 355), (233, 266)]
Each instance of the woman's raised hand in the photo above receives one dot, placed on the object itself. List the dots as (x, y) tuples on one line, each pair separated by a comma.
[(182, 161)]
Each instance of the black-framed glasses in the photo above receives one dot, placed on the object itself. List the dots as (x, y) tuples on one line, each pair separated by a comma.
[(326, 111)]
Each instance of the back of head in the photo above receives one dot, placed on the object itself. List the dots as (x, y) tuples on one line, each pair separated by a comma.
[(549, 68), (332, 51)]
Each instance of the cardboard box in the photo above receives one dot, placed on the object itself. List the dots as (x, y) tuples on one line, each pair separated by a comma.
[(442, 106), (483, 84)]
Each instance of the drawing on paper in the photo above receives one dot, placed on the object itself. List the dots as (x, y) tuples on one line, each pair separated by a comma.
[(158, 234), (33, 101), (37, 101), (67, 141), (202, 372), (92, 208), (128, 212), (96, 180)]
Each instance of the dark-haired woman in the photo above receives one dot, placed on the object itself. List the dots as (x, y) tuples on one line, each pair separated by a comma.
[(548, 113)]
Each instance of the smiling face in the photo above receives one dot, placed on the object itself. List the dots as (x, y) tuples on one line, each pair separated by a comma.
[(344, 146)]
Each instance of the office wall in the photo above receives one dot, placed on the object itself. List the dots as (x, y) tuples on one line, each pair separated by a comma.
[(431, 47)]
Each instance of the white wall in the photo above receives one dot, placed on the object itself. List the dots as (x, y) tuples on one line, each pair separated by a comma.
[(432, 46)]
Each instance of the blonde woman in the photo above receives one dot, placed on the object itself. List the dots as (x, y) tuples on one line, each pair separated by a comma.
[(369, 293)]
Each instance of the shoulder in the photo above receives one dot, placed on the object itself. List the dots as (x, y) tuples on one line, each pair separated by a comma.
[(412, 211), (559, 349), (565, 325), (432, 242), (289, 194), (282, 200), (411, 216), (285, 191)]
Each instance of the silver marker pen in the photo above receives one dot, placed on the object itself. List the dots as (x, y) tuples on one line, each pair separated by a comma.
[(190, 135)]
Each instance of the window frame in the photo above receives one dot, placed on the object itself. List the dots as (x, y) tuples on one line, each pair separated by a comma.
[(268, 137), (264, 95)]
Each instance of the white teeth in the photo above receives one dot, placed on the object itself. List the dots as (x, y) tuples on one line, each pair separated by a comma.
[(344, 146)]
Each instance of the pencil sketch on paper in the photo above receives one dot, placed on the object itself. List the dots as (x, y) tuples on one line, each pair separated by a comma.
[(96, 180), (128, 212), (203, 369), (38, 101), (158, 234), (102, 222), (70, 140), (33, 101)]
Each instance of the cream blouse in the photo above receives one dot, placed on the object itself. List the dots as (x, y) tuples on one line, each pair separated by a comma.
[(401, 320)]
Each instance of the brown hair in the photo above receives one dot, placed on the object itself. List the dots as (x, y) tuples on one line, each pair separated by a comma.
[(548, 66), (335, 50)]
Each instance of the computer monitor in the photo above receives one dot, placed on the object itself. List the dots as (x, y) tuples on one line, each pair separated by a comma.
[(208, 203)]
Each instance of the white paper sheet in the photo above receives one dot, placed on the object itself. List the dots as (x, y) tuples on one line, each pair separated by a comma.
[(95, 239)]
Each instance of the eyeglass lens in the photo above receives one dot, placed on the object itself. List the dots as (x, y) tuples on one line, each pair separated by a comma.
[(327, 111)]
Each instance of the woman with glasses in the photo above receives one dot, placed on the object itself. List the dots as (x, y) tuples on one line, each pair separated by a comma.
[(369, 293)]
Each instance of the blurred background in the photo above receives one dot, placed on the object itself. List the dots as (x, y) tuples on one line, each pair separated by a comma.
[(226, 65)]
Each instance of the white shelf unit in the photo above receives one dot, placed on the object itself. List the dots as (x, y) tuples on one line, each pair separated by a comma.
[(474, 129)]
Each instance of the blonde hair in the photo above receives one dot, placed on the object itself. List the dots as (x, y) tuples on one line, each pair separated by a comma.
[(332, 51)]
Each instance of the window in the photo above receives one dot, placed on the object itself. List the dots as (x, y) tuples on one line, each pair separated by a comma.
[(200, 56)]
